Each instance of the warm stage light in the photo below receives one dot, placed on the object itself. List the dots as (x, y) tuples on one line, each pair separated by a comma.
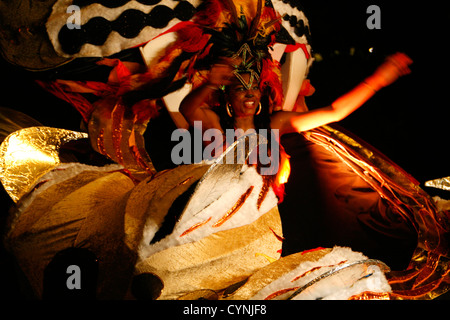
[(284, 172)]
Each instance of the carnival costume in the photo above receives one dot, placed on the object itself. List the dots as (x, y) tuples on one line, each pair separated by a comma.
[(204, 230)]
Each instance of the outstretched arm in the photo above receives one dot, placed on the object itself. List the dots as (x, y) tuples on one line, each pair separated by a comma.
[(395, 66)]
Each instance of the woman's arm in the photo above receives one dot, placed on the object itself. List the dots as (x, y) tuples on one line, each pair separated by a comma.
[(395, 66)]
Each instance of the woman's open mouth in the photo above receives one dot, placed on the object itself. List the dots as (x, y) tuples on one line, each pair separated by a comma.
[(249, 104)]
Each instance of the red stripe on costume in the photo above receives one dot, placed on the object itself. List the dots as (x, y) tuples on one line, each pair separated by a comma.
[(294, 47)]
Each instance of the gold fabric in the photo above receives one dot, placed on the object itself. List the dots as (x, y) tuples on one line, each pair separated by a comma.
[(84, 212), (217, 261), (275, 270), (202, 267), (442, 183), (119, 136), (13, 120), (24, 40)]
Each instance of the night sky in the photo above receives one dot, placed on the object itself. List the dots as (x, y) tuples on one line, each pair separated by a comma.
[(407, 121)]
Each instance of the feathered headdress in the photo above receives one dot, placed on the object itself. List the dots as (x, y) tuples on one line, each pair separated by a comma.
[(249, 43)]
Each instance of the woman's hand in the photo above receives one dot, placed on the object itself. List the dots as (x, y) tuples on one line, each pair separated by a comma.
[(221, 73), (395, 66)]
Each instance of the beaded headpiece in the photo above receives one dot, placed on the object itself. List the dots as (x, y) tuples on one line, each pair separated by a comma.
[(248, 65)]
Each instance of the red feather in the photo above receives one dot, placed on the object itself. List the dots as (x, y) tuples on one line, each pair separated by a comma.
[(270, 82)]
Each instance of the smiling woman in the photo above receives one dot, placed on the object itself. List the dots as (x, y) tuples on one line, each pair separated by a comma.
[(243, 101), (206, 230)]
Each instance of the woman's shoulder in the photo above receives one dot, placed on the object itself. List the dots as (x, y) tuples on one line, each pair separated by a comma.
[(279, 118), (282, 121)]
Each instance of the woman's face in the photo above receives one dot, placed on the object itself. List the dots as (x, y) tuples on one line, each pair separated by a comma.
[(244, 102)]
